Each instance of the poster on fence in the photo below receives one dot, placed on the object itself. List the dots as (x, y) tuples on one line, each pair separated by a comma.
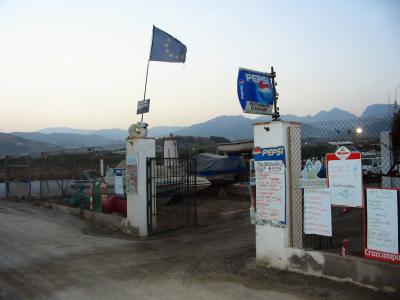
[(118, 182), (345, 178), (270, 173), (131, 173), (382, 226), (317, 211)]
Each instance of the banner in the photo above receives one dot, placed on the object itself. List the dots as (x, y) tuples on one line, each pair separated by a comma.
[(256, 92)]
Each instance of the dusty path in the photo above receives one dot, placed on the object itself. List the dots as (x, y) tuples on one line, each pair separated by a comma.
[(46, 254)]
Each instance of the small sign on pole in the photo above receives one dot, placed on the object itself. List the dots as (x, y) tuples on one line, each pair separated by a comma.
[(143, 106)]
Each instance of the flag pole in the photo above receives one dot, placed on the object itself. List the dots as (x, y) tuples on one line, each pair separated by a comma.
[(147, 70), (145, 84)]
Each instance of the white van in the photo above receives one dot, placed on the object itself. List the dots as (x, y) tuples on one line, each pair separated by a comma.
[(371, 165)]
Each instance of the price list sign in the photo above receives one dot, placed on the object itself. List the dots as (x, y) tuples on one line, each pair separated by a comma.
[(270, 173), (345, 178), (317, 212), (382, 226)]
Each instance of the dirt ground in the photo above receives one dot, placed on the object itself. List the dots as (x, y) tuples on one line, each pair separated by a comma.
[(47, 254)]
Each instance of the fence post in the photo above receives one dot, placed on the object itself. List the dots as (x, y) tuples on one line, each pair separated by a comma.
[(29, 173), (387, 160), (41, 176), (296, 197), (6, 178)]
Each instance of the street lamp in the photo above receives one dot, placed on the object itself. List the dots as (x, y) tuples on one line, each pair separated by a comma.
[(355, 131)]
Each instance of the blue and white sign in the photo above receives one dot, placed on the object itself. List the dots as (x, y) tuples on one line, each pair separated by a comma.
[(270, 173), (256, 92), (118, 181), (272, 153)]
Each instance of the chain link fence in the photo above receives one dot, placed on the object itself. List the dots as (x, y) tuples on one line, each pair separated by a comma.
[(364, 135), (50, 174)]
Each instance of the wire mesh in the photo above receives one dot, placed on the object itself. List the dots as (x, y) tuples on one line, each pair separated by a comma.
[(363, 135), (52, 173)]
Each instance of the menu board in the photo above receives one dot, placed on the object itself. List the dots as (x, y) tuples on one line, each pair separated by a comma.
[(270, 192), (317, 211), (345, 181), (382, 220)]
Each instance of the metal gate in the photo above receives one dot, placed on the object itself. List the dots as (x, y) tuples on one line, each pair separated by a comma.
[(171, 194)]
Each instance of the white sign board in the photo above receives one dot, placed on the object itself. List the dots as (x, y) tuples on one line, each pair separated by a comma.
[(345, 182), (270, 191), (382, 220), (317, 211), (118, 182)]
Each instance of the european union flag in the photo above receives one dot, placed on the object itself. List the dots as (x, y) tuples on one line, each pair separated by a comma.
[(166, 48)]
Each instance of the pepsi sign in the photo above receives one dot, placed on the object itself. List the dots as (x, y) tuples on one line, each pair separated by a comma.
[(272, 153), (256, 92)]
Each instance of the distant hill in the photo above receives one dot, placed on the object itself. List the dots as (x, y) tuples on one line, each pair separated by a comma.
[(231, 127), (163, 131), (64, 130), (113, 133), (379, 111), (10, 144), (68, 140), (239, 127), (333, 114)]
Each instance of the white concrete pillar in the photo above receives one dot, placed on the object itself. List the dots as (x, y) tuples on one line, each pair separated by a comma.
[(137, 152), (170, 147), (273, 239)]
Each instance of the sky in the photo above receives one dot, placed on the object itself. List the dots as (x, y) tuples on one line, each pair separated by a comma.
[(82, 64)]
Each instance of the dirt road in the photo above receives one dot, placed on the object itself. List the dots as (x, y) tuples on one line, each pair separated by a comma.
[(46, 254)]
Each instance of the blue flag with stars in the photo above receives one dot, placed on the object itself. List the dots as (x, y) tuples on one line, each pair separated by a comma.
[(166, 48)]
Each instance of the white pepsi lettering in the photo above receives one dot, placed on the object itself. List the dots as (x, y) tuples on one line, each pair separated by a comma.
[(273, 151), (241, 92), (256, 78)]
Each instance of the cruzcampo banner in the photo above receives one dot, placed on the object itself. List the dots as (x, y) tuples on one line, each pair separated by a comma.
[(255, 91)]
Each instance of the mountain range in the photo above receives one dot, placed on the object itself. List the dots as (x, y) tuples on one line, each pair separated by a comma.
[(230, 127)]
